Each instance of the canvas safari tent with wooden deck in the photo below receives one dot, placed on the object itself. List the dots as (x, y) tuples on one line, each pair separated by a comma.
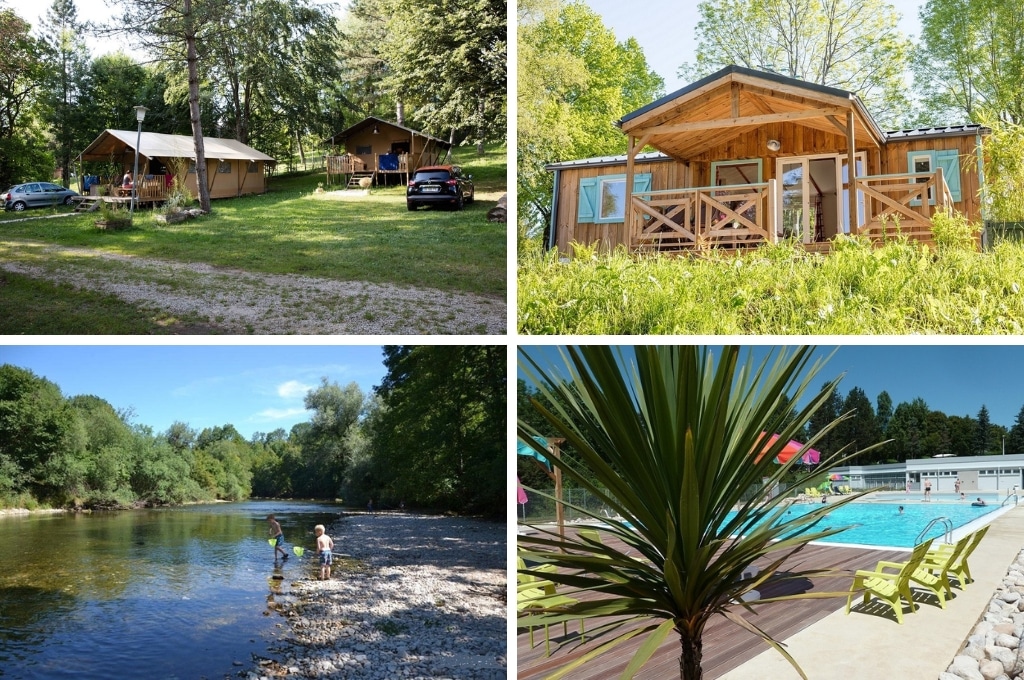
[(745, 157), (233, 168), (378, 149)]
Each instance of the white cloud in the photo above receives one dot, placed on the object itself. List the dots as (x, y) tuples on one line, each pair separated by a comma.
[(293, 389), (271, 414)]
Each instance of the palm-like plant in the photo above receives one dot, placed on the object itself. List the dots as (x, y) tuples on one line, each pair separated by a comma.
[(672, 441)]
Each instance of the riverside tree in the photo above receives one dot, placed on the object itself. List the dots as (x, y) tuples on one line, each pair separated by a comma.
[(670, 435)]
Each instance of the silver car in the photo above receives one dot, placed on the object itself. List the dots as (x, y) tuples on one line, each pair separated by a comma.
[(36, 194)]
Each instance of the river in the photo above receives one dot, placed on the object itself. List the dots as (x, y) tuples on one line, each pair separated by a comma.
[(183, 592)]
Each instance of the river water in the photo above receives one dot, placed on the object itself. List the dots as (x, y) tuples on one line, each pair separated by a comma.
[(170, 593)]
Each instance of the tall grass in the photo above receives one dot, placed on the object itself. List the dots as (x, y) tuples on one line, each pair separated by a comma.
[(898, 288)]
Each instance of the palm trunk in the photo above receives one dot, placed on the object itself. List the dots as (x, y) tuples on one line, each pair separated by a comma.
[(691, 656)]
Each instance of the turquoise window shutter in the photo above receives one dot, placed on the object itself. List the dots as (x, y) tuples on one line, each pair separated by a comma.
[(586, 211), (949, 161), (642, 182)]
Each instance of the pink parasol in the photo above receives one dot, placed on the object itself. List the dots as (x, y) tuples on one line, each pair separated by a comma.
[(520, 492), (791, 449)]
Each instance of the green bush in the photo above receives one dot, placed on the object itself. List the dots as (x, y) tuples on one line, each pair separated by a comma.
[(899, 287)]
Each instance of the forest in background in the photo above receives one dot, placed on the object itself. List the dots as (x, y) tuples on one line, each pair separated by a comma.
[(431, 436), (278, 75), (916, 430)]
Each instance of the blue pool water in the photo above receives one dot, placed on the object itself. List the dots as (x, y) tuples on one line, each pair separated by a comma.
[(882, 524)]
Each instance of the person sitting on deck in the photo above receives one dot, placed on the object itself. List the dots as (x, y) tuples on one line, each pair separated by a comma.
[(126, 181)]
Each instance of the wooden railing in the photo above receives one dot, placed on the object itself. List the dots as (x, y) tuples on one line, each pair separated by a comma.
[(344, 165), (909, 199), (733, 217), (402, 163)]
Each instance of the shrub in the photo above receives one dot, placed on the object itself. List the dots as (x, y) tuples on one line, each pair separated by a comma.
[(954, 232)]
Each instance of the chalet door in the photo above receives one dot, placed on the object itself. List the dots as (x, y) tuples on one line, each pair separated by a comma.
[(794, 219)]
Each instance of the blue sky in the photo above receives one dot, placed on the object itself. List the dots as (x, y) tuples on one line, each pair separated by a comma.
[(665, 29), (954, 379), (254, 388)]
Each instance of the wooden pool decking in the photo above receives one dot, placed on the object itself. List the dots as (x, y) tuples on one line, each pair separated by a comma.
[(725, 644)]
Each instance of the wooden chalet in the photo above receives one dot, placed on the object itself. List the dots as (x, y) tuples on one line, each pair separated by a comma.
[(233, 169), (745, 157), (380, 149)]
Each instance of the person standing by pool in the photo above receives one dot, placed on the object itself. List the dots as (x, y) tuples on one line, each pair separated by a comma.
[(956, 485), (927, 489)]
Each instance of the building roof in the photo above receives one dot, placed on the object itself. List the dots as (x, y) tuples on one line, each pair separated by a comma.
[(931, 132), (158, 145), (373, 120), (741, 70), (598, 161)]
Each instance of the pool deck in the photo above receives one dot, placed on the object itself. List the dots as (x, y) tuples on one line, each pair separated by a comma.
[(823, 640)]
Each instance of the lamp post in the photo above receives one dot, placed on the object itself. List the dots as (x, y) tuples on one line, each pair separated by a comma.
[(140, 115)]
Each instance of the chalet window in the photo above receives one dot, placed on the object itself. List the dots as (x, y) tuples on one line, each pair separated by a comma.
[(927, 161), (602, 200), (364, 150), (224, 167)]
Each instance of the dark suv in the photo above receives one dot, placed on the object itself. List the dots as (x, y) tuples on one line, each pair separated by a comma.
[(440, 185)]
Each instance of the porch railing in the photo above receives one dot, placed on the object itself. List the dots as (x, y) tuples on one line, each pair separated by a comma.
[(909, 198), (732, 217)]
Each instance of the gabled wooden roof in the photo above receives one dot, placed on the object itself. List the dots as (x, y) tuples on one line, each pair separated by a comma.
[(736, 101)]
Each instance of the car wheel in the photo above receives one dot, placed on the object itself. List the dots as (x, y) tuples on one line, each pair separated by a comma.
[(460, 202), (68, 201), (472, 196), (411, 206), (18, 206)]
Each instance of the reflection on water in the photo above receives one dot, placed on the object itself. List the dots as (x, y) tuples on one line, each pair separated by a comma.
[(152, 593)]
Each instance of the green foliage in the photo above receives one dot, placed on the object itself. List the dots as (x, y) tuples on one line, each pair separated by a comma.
[(442, 423), (575, 81), (955, 233), (1003, 195), (898, 288), (23, 74), (854, 45), (668, 432), (970, 60)]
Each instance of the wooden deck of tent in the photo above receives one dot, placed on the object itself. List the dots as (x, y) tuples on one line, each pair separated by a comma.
[(726, 646)]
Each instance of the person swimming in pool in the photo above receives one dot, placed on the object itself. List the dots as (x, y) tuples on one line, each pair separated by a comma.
[(978, 503), (901, 509)]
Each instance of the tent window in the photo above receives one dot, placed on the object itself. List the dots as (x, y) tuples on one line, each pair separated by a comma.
[(253, 167), (191, 167), (224, 167), (364, 150)]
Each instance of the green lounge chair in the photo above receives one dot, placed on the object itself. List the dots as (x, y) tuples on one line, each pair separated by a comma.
[(889, 586), (958, 567), (535, 594)]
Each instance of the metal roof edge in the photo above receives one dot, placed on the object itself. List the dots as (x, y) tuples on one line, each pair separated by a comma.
[(600, 161)]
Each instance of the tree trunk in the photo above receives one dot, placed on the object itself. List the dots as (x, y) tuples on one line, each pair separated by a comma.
[(192, 58), (691, 656)]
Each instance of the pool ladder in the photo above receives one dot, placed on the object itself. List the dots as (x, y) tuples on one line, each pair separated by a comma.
[(1007, 499), (945, 521)]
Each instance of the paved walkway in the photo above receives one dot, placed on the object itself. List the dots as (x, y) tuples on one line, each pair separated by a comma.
[(863, 645)]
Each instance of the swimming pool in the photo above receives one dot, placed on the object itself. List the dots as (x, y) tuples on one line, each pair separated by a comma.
[(882, 524)]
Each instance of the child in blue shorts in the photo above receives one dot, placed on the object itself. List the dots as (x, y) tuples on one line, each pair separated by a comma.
[(324, 546)]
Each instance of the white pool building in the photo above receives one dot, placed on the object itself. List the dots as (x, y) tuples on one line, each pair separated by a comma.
[(976, 473)]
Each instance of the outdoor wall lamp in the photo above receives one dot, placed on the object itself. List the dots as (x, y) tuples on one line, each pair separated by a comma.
[(773, 145)]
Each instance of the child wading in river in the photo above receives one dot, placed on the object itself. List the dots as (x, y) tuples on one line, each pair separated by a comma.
[(278, 536), (324, 546)]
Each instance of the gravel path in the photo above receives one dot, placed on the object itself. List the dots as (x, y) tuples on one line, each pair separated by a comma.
[(422, 597), (236, 301)]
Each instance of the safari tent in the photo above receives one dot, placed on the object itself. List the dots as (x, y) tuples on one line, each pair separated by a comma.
[(233, 169), (745, 157), (378, 148)]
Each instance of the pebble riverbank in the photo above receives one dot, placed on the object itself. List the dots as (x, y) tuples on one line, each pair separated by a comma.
[(994, 651), (415, 597)]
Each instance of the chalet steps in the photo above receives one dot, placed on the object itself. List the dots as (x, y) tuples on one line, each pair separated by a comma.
[(353, 181)]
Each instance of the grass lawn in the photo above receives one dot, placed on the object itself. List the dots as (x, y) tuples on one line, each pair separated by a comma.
[(857, 289), (291, 230), (41, 308)]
